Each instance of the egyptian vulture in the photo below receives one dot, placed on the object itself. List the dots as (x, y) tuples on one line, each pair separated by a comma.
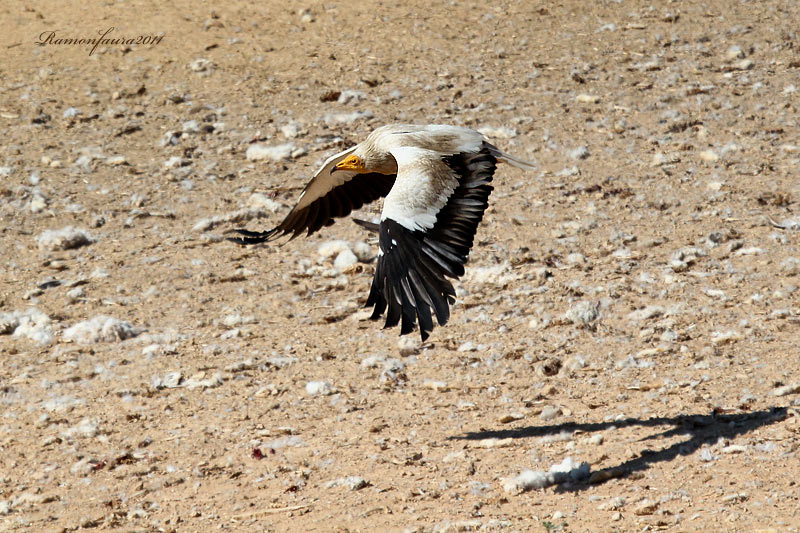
[(436, 181)]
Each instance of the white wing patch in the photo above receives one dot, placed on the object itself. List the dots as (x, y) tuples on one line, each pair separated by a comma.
[(423, 185)]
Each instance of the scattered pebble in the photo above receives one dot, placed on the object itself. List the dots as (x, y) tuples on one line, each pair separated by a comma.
[(64, 239), (567, 470), (725, 337), (409, 345), (438, 386), (199, 381), (581, 152), (363, 251), (350, 482), (345, 259), (349, 96), (549, 412), (32, 324), (314, 388), (201, 65), (785, 390), (583, 313), (587, 99), (330, 249), (511, 417), (280, 152), (734, 52), (645, 507), (709, 156), (335, 119), (116, 160), (646, 313), (101, 328), (291, 130)]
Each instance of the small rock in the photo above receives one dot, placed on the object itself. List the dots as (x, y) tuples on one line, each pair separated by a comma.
[(567, 470), (409, 345), (734, 448), (345, 259), (314, 388), (351, 97), (512, 417), (581, 152), (587, 98), (646, 313), (596, 439), (291, 130), (734, 52), (201, 65), (190, 126), (258, 200), (438, 386), (101, 328), (582, 313), (785, 390), (709, 156), (198, 381), (363, 251), (646, 507), (549, 367), (75, 294), (64, 239), (549, 412), (330, 249), (346, 118), (172, 380), (350, 482), (725, 337), (280, 152)]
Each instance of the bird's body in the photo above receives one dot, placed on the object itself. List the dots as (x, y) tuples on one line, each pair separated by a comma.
[(436, 183)]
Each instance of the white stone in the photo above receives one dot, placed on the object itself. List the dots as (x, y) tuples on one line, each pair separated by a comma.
[(258, 200), (330, 249), (363, 251), (63, 239), (314, 388), (582, 313), (101, 328), (567, 470), (345, 259), (587, 98), (280, 152)]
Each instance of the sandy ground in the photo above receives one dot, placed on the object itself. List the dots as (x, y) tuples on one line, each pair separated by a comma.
[(624, 352)]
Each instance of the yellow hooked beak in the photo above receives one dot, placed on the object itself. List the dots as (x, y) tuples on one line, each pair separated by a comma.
[(351, 162)]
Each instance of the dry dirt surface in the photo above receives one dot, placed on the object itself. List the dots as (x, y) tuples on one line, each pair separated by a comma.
[(623, 355)]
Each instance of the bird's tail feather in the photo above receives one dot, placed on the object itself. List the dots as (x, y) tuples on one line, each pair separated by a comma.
[(510, 159), (369, 226)]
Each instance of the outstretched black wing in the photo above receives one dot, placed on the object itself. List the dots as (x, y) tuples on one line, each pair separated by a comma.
[(411, 278), (326, 197)]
